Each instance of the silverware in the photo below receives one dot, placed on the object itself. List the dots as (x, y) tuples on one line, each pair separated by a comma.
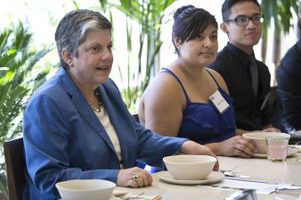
[(287, 187), (243, 195), (247, 179), (232, 173)]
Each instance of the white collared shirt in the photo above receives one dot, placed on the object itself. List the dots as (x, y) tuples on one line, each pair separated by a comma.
[(105, 120)]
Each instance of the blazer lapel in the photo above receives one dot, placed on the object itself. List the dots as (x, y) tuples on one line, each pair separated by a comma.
[(84, 109), (118, 118)]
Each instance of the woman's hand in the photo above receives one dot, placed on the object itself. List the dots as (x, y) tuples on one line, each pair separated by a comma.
[(190, 147), (271, 129), (237, 146), (134, 177)]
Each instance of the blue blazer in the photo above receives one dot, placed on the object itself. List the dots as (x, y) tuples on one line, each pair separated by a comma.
[(64, 139)]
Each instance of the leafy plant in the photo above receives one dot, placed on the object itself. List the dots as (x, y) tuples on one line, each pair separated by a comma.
[(278, 13), (148, 14), (19, 76)]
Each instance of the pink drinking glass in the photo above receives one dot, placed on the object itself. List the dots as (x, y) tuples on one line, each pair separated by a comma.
[(277, 147)]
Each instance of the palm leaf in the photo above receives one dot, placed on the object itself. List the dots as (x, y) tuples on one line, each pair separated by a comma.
[(148, 14), (18, 79), (279, 13)]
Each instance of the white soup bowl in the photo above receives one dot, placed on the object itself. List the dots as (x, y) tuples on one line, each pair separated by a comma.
[(259, 139), (91, 189), (189, 167)]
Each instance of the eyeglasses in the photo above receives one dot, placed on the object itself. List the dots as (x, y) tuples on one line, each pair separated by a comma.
[(243, 20)]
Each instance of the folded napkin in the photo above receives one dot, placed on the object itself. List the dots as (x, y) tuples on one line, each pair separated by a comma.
[(127, 196), (140, 197)]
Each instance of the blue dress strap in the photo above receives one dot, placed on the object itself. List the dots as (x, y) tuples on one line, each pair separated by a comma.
[(178, 80), (213, 78)]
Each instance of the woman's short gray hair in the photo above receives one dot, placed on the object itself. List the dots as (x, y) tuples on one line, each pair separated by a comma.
[(73, 28)]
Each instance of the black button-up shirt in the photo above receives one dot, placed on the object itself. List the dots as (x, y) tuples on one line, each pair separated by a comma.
[(233, 64)]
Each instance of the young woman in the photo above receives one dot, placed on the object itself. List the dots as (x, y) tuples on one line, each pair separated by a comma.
[(189, 100)]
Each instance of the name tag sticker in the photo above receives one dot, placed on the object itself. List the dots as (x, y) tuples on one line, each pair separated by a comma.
[(219, 101)]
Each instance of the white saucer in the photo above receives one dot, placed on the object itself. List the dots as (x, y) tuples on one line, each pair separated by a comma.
[(212, 178), (290, 152)]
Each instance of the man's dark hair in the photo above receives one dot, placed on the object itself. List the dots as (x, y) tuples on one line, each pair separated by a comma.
[(228, 4)]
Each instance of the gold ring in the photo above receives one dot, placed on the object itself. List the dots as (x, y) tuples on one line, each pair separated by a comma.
[(135, 177)]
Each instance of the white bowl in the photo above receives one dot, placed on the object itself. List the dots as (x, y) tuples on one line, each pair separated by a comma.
[(259, 139), (90, 189), (189, 167)]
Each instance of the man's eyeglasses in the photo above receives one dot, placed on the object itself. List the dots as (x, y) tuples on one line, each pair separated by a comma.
[(243, 20)]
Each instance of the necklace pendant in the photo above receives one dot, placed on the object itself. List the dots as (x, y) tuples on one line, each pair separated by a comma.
[(97, 108)]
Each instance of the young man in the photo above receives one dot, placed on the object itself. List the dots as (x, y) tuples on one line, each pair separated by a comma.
[(248, 79)]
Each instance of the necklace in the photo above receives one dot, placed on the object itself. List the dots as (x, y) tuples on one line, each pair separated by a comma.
[(97, 108)]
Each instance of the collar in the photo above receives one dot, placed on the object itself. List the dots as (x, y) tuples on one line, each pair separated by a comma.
[(241, 55), (84, 108)]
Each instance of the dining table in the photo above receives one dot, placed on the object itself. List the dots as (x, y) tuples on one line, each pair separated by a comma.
[(269, 180)]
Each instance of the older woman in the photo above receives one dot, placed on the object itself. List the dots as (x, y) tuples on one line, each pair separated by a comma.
[(189, 100), (77, 126)]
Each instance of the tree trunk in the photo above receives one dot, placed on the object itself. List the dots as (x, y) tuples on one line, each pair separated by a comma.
[(264, 45), (276, 51)]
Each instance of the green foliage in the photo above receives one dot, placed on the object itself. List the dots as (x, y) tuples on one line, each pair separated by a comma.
[(278, 13), (148, 14), (18, 78)]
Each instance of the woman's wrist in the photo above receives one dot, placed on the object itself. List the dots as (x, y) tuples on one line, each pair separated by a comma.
[(216, 148), (190, 147)]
